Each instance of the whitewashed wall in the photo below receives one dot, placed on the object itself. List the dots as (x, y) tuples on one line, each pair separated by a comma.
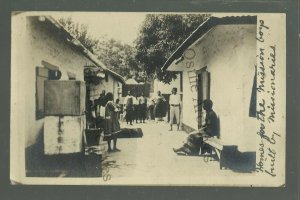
[(112, 85), (229, 52), (166, 88), (32, 42)]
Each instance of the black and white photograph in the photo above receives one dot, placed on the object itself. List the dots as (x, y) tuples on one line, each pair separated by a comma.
[(148, 98)]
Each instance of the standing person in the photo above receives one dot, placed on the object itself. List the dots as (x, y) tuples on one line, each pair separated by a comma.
[(90, 114), (99, 105), (128, 105), (112, 125), (175, 107), (142, 108), (136, 109), (151, 104), (119, 106), (195, 139), (101, 100), (160, 107)]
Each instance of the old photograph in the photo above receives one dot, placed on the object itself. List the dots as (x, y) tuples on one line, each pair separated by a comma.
[(137, 98)]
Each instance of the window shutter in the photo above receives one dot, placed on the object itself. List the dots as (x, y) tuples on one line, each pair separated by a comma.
[(42, 74)]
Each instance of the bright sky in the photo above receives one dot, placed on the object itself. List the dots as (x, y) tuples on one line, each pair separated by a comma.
[(123, 26), (120, 26)]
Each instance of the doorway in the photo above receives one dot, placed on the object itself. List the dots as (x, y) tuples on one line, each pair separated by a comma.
[(203, 87)]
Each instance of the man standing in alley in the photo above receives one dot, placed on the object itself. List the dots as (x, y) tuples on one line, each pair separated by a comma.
[(175, 106), (128, 105), (142, 108)]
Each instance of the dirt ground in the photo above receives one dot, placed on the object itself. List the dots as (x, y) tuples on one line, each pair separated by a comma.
[(152, 159)]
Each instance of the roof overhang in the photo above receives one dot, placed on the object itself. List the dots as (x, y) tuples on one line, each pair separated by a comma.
[(79, 46), (201, 31)]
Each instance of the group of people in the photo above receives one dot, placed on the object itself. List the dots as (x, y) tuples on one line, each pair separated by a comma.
[(107, 114), (141, 108), (104, 113), (135, 108)]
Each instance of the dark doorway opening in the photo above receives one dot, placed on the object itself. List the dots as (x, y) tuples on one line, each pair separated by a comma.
[(203, 87)]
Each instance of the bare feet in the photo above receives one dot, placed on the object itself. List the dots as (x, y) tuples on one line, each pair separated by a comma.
[(109, 151), (116, 150)]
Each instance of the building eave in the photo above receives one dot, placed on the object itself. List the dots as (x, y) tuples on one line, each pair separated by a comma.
[(203, 29), (88, 54)]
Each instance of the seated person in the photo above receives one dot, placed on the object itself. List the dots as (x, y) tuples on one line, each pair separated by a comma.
[(195, 138)]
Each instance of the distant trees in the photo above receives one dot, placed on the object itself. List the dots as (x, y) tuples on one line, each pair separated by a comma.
[(80, 32), (114, 54), (159, 36), (119, 57)]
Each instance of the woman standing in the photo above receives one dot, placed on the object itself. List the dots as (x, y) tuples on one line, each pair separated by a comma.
[(150, 109), (112, 125), (160, 107)]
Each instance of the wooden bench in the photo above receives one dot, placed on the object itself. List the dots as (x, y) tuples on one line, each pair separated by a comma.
[(225, 153)]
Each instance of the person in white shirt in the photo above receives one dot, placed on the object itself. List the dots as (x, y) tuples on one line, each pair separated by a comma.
[(150, 109), (142, 108), (175, 106), (135, 109), (128, 105)]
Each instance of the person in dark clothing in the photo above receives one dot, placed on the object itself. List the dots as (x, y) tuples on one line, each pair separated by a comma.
[(99, 105), (195, 139), (90, 119), (101, 100), (160, 107)]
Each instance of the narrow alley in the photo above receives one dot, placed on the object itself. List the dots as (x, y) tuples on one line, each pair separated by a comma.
[(151, 157)]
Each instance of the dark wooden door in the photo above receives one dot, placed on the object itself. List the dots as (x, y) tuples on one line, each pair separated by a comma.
[(203, 81)]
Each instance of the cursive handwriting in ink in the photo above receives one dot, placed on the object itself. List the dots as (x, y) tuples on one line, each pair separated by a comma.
[(261, 29), (272, 67), (261, 71), (261, 112), (260, 164), (272, 157)]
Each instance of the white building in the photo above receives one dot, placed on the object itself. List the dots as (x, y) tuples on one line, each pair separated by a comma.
[(218, 62), (109, 81), (165, 88), (41, 49)]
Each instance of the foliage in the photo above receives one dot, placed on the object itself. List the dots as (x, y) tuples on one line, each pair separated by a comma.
[(115, 55), (80, 32), (159, 36), (119, 57)]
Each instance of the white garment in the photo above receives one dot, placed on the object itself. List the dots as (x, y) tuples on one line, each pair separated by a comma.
[(135, 101), (102, 111), (174, 112), (174, 99), (142, 100)]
